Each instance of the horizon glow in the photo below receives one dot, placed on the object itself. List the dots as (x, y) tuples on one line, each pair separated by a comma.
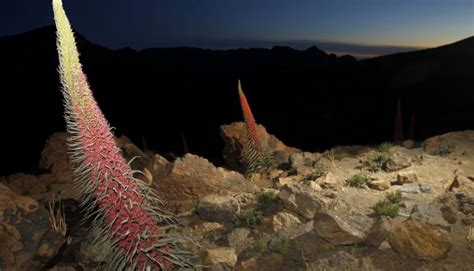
[(368, 24)]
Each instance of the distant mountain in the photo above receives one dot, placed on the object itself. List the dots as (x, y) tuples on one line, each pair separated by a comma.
[(308, 98)]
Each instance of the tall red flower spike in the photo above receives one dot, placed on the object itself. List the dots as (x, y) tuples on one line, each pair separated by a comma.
[(254, 153), (125, 211)]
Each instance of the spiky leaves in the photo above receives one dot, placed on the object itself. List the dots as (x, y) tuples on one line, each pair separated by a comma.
[(125, 211), (255, 155)]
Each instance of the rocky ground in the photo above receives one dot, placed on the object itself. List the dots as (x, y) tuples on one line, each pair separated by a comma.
[(385, 207)]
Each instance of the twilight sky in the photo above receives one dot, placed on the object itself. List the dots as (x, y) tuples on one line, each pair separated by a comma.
[(360, 27)]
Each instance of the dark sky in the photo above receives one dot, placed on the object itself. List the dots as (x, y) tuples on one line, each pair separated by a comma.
[(366, 27)]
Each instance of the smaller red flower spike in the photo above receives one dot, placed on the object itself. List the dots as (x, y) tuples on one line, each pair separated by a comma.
[(253, 152)]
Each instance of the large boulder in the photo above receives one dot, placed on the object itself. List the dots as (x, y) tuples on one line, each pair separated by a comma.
[(404, 177), (217, 208), (235, 138), (221, 258), (430, 213), (23, 222), (399, 160), (54, 157), (142, 161), (27, 184), (302, 199), (418, 240), (342, 224), (287, 224), (240, 239), (182, 183), (93, 255)]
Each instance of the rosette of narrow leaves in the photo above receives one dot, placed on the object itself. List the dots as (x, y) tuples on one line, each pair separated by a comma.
[(255, 156), (125, 212)]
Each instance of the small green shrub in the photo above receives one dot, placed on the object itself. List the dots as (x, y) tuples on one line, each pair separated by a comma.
[(280, 244), (248, 219), (394, 197), (260, 245), (385, 208), (359, 181), (445, 148), (376, 163), (265, 199), (389, 205), (384, 146)]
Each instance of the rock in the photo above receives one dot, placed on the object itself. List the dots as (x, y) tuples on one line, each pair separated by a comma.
[(339, 260), (26, 184), (415, 188), (48, 247), (404, 177), (432, 143), (54, 157), (63, 267), (302, 163), (247, 265), (221, 258), (464, 162), (58, 192), (380, 185), (425, 188), (217, 208), (235, 137), (270, 261), (342, 225), (430, 213), (398, 161), (378, 232), (418, 240), (328, 181), (91, 255), (130, 151), (23, 222), (449, 208), (460, 183), (208, 227), (282, 181), (317, 188), (385, 245), (276, 173), (280, 159), (409, 144), (465, 203), (200, 235), (302, 199), (289, 225), (451, 184), (239, 239), (160, 163), (140, 160), (470, 234), (190, 178)]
